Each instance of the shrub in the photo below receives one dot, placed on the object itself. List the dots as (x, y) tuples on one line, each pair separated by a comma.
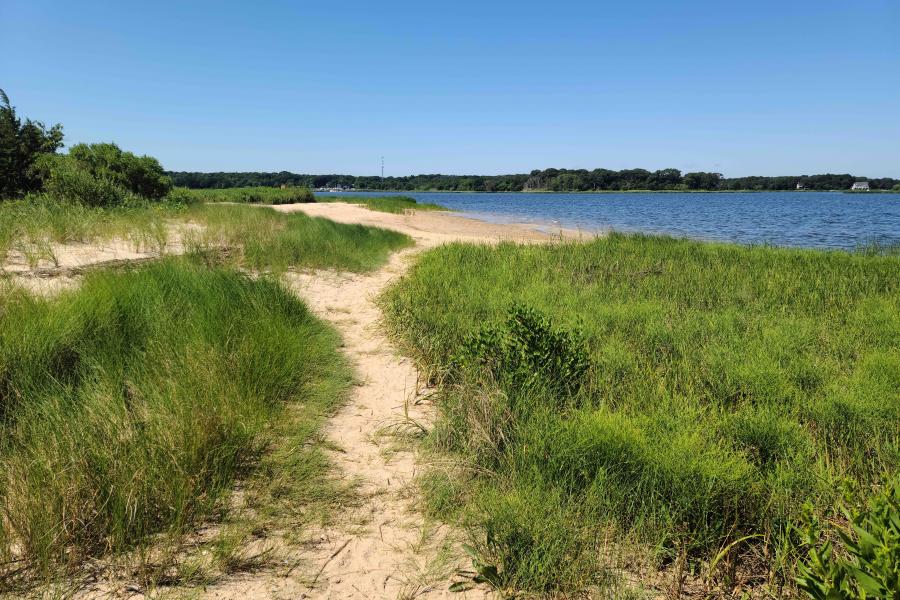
[(141, 175), (101, 175), (526, 350), (66, 179)]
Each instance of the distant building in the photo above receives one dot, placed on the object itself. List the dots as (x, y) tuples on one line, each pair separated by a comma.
[(860, 186), (800, 186)]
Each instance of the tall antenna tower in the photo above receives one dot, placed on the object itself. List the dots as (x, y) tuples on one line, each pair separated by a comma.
[(382, 168)]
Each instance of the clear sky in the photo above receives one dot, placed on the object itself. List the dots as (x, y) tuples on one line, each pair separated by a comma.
[(756, 87)]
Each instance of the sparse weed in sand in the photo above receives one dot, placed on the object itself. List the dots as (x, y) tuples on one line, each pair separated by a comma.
[(130, 407), (725, 387), (32, 225), (388, 204)]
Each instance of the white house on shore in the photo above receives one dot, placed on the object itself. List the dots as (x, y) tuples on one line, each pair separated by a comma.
[(860, 186)]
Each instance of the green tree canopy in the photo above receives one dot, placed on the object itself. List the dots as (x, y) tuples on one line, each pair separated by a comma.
[(102, 175), (142, 175), (20, 145)]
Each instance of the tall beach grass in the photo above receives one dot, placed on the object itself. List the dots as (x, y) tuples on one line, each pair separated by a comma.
[(130, 406), (254, 195), (254, 237), (264, 239), (292, 195)]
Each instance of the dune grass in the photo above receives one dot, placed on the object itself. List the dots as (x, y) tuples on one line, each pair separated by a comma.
[(388, 204), (268, 240), (32, 225), (130, 406), (254, 237), (684, 399), (268, 195), (254, 195)]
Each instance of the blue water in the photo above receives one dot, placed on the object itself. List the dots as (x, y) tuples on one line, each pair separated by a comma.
[(804, 219)]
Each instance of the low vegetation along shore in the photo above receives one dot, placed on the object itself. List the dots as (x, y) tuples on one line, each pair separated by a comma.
[(292, 195), (676, 409)]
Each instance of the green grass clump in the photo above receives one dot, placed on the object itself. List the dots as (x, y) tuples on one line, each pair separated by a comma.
[(251, 195), (130, 406), (388, 204), (682, 397), (265, 239)]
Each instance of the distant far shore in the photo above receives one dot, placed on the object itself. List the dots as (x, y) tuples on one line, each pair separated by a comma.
[(432, 191), (546, 180)]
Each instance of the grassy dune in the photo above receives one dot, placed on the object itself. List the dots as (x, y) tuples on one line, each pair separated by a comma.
[(265, 239), (684, 399), (256, 195), (254, 237), (31, 225), (267, 195), (130, 405)]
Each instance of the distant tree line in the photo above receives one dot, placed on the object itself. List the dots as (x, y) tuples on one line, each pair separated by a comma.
[(555, 180)]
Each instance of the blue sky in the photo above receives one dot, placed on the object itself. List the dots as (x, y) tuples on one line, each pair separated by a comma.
[(788, 87)]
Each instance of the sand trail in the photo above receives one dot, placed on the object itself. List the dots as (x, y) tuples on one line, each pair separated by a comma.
[(384, 548)]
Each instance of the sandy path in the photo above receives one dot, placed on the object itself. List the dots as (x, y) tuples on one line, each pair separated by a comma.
[(384, 548)]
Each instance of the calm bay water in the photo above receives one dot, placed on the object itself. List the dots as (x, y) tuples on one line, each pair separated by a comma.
[(805, 219)]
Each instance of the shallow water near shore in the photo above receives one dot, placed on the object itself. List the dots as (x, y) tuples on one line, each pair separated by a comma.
[(828, 220)]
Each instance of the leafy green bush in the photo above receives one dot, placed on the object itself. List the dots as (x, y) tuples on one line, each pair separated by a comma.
[(141, 175), (65, 179), (865, 562), (526, 350), (102, 175)]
